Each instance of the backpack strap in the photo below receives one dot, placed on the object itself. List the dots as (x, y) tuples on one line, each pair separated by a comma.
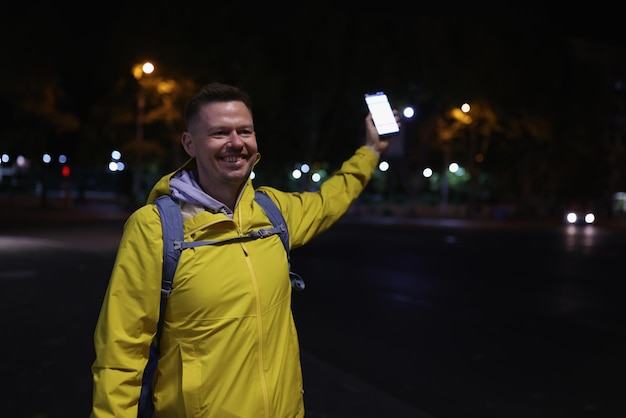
[(275, 216), (261, 233), (172, 225), (278, 220)]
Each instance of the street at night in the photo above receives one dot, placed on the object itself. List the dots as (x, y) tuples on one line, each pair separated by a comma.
[(451, 288), (446, 319)]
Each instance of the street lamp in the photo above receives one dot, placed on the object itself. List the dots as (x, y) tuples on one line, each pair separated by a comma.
[(139, 71)]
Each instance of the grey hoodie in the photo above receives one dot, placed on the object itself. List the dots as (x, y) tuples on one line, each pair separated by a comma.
[(184, 186)]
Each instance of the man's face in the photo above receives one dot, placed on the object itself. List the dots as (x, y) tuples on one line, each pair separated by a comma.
[(223, 141)]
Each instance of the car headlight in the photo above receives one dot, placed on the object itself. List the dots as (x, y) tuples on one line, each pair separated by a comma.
[(571, 218)]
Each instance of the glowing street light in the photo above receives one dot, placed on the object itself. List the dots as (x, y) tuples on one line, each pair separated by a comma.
[(139, 70), (408, 112)]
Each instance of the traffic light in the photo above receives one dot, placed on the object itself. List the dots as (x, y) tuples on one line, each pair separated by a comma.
[(65, 171)]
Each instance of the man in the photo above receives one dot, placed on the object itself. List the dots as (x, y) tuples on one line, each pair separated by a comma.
[(229, 346)]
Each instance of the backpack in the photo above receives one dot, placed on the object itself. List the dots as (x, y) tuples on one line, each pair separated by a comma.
[(173, 245)]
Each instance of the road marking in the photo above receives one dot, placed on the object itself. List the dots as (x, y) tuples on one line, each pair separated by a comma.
[(8, 243)]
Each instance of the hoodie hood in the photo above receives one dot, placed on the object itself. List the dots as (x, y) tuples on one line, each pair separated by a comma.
[(183, 185)]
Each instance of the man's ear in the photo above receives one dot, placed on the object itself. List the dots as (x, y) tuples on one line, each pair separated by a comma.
[(188, 144)]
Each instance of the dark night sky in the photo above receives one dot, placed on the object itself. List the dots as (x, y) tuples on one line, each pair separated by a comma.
[(104, 41)]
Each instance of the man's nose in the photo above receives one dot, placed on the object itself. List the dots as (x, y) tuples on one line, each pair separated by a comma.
[(235, 139)]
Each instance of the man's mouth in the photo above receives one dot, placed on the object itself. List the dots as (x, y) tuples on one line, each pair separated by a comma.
[(233, 158)]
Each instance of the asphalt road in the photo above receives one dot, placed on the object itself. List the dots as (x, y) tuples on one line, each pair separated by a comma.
[(397, 320), (481, 321), (472, 320), (54, 271)]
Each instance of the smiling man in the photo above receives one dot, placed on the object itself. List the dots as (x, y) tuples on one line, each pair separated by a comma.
[(229, 346)]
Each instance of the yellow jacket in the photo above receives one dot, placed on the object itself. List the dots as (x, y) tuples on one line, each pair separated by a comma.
[(229, 345)]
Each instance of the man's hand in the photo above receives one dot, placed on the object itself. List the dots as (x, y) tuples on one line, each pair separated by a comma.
[(372, 140)]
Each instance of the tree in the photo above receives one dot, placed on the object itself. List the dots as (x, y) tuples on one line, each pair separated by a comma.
[(42, 123)]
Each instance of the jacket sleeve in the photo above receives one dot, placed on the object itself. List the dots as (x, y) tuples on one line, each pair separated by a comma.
[(310, 213), (128, 317)]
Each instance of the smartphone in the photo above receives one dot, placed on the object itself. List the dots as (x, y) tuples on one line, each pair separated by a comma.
[(382, 114)]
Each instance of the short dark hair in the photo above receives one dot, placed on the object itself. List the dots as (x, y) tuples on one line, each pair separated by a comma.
[(215, 92)]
